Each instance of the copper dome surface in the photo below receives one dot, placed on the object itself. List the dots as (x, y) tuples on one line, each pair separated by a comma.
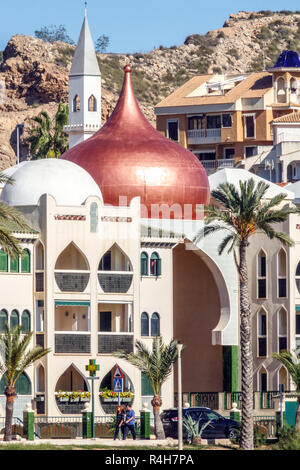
[(127, 157)]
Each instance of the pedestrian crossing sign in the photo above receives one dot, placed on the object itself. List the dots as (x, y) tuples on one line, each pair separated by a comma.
[(118, 385)]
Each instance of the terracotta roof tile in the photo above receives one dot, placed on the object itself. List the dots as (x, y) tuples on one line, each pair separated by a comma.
[(291, 117)]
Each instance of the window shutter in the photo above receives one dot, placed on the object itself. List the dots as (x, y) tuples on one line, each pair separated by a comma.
[(158, 267), (3, 261), (25, 262), (25, 321), (14, 264), (146, 385), (3, 320)]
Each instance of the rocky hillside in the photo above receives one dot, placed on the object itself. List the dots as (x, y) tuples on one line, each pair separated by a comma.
[(35, 73)]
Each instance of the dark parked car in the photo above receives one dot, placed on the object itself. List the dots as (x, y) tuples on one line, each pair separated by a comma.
[(219, 426)]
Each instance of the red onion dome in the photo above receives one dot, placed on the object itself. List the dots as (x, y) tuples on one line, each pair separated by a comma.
[(127, 157)]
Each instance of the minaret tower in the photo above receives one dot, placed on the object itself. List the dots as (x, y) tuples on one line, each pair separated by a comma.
[(84, 90)]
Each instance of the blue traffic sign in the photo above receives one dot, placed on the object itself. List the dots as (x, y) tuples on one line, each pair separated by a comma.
[(118, 385)]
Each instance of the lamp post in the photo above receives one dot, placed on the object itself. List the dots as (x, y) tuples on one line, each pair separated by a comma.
[(92, 367), (180, 442), (19, 126)]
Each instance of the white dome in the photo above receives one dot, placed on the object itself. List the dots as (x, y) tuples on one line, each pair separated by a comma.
[(67, 182)]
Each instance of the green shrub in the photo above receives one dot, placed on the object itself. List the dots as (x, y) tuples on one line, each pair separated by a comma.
[(289, 439), (233, 53)]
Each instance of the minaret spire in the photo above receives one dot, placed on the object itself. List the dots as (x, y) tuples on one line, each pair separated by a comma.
[(84, 88)]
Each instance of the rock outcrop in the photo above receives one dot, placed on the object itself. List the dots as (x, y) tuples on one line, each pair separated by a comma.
[(35, 73)]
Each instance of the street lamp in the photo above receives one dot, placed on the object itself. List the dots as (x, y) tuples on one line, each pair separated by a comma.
[(19, 126), (180, 442)]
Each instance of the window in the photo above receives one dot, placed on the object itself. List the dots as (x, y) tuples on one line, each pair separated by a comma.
[(298, 277), (195, 122), (262, 334), (213, 122), (249, 126), (146, 386), (25, 321), (105, 321), (3, 261), (281, 90), (14, 264), (92, 104), (282, 330), (93, 217), (229, 153), (25, 261), (261, 276), (206, 156), (14, 319), (172, 130), (263, 380), (281, 272), (155, 324), (297, 326), (250, 151), (3, 320), (76, 104), (155, 265), (144, 324), (144, 264), (105, 263), (226, 120)]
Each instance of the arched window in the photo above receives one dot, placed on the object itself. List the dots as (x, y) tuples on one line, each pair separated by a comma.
[(14, 264), (283, 378), (155, 324), (298, 277), (25, 261), (281, 273), (40, 379), (262, 333), (76, 104), (39, 256), (25, 321), (144, 324), (23, 384), (14, 319), (155, 265), (3, 320), (144, 264), (92, 104), (281, 90), (261, 275), (3, 261), (282, 330), (93, 217)]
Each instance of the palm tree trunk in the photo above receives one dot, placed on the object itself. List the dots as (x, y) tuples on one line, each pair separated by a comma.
[(9, 410), (246, 354), (158, 426)]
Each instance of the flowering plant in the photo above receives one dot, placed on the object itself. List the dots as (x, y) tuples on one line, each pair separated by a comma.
[(73, 395), (106, 393)]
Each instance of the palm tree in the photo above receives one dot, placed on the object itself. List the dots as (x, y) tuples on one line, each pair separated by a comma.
[(15, 358), (291, 361), (243, 214), (10, 220), (48, 139), (157, 366)]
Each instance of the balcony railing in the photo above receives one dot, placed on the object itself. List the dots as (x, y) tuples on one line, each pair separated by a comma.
[(72, 343), (213, 165), (69, 281), (115, 281), (39, 281), (195, 136), (111, 342)]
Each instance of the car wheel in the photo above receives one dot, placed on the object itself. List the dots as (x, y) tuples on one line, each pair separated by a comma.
[(232, 433)]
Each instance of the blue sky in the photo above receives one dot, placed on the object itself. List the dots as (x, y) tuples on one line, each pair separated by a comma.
[(132, 25)]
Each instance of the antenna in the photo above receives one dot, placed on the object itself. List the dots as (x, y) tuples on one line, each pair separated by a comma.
[(85, 8)]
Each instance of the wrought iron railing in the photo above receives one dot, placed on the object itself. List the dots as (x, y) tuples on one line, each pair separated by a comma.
[(208, 399), (50, 427)]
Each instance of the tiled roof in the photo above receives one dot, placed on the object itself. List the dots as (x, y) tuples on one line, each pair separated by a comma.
[(291, 117), (253, 86)]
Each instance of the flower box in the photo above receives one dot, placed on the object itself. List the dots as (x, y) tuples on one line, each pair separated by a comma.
[(85, 399), (74, 400), (63, 399)]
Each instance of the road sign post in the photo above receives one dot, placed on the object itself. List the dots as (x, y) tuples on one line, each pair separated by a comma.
[(92, 368), (118, 387)]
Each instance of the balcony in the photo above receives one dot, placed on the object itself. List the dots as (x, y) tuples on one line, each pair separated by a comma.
[(70, 281), (108, 343), (213, 165), (72, 343), (115, 281), (203, 136)]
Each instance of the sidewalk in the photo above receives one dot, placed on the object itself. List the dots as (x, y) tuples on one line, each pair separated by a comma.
[(103, 442)]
